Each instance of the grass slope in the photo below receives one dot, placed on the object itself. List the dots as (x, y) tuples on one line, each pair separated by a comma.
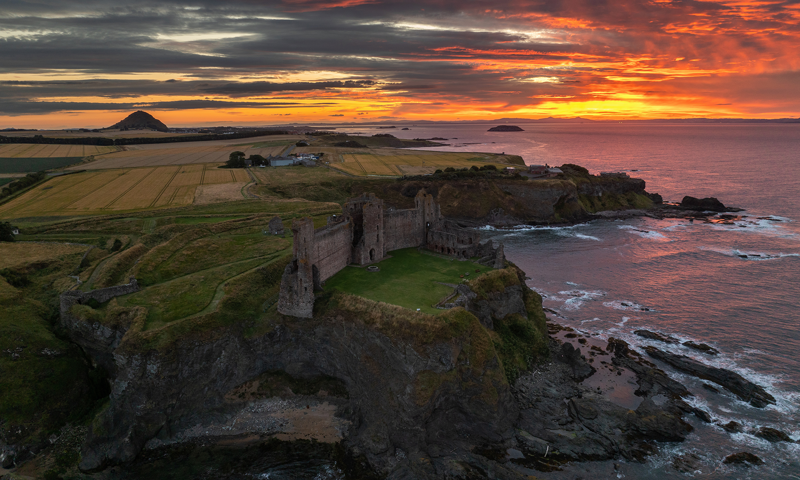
[(408, 279)]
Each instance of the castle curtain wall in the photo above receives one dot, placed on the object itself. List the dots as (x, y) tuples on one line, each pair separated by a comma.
[(332, 249), (404, 229)]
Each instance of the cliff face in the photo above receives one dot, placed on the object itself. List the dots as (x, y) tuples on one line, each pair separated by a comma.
[(501, 201), (417, 388)]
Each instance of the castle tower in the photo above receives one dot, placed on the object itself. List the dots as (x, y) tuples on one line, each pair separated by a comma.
[(369, 242), (428, 212), (296, 297)]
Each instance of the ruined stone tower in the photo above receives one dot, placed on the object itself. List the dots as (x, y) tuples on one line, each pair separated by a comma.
[(297, 284)]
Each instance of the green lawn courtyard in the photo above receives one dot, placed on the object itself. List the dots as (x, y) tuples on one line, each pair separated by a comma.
[(407, 279)]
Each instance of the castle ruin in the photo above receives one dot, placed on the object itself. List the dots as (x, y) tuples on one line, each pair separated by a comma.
[(363, 234)]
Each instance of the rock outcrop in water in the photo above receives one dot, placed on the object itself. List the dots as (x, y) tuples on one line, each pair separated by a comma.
[(506, 128), (709, 204), (746, 390)]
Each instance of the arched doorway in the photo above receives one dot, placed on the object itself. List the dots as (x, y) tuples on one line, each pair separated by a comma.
[(371, 254)]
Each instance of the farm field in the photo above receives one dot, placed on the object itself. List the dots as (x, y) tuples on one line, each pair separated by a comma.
[(186, 153), (31, 150), (117, 190), (391, 162), (25, 157)]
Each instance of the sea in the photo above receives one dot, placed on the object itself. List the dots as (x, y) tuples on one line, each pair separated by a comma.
[(733, 285)]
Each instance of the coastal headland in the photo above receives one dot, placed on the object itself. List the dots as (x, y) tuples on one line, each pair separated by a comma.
[(151, 341)]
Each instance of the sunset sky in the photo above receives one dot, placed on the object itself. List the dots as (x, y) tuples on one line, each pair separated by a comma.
[(88, 63)]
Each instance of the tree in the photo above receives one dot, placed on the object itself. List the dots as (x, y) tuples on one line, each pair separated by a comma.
[(257, 160), (6, 232), (235, 160)]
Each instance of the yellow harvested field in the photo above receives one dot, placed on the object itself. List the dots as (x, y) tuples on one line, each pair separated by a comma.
[(28, 150), (120, 190), (186, 153), (411, 162), (13, 254), (218, 176)]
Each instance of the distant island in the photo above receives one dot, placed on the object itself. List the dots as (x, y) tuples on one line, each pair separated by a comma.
[(506, 128)]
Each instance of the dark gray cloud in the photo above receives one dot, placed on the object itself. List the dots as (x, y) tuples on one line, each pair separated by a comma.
[(438, 50)]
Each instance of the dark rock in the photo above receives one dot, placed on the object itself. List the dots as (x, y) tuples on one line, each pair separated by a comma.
[(702, 204), (655, 336), (710, 388), (495, 305), (506, 128), (656, 198), (735, 383), (743, 458), (702, 347), (594, 427), (577, 362), (688, 463), (702, 415), (772, 435), (732, 427)]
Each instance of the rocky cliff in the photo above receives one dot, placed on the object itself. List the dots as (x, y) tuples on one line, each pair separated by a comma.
[(421, 389)]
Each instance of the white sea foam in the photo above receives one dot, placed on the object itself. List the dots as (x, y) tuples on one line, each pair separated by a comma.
[(567, 231), (652, 235), (748, 255), (772, 226), (627, 305), (578, 297)]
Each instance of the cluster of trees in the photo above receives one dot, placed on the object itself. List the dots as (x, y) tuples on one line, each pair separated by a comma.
[(39, 139), (21, 184), (237, 160), (6, 232)]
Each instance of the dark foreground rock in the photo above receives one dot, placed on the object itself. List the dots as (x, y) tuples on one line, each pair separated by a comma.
[(733, 382), (772, 435), (701, 347), (563, 418), (709, 204), (655, 336), (743, 458)]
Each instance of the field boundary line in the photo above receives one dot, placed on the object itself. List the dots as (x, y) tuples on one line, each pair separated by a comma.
[(389, 167), (89, 177), (129, 189), (23, 191), (178, 169), (359, 164), (203, 175)]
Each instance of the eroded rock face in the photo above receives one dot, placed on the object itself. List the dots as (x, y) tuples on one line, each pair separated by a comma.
[(497, 305), (406, 396)]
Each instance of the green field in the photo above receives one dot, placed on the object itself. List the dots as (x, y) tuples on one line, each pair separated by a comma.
[(409, 279), (25, 165)]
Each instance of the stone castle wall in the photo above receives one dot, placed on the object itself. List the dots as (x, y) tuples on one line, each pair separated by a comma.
[(403, 229), (332, 248), (363, 234)]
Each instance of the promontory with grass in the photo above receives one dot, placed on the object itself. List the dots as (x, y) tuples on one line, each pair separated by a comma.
[(326, 315)]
